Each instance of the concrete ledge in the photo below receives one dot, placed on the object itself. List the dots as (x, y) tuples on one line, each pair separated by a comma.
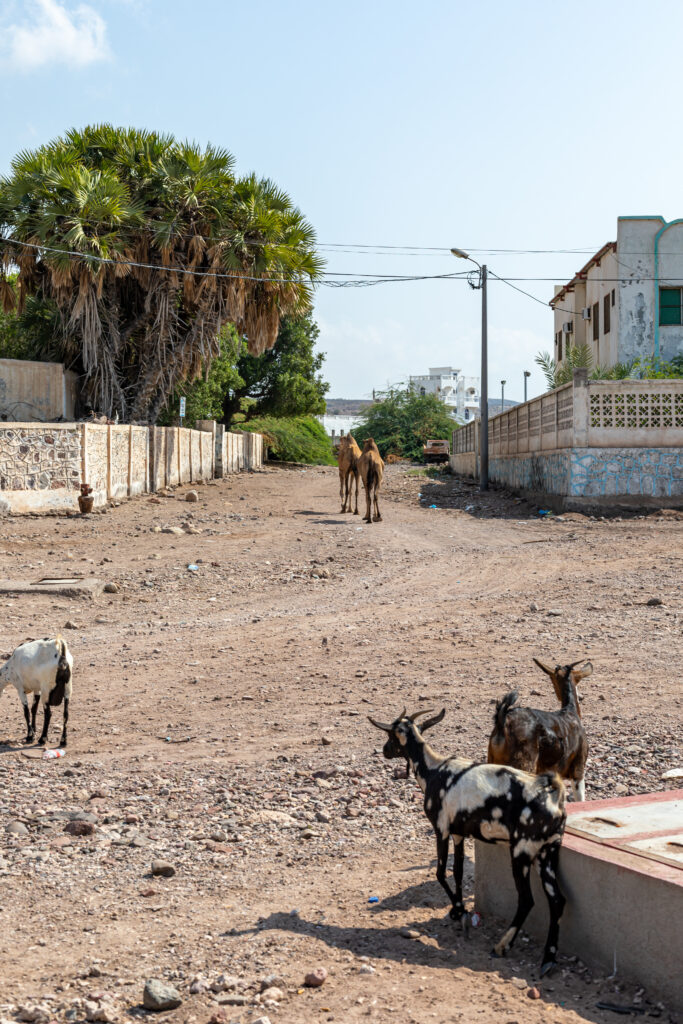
[(621, 906), (67, 586)]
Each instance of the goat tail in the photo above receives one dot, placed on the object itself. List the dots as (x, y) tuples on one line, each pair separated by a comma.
[(553, 782), (62, 676), (502, 708)]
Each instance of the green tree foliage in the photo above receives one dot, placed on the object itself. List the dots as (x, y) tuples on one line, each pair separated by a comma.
[(580, 356), (402, 420), (286, 380), (204, 397), (293, 438), (29, 334), (170, 246)]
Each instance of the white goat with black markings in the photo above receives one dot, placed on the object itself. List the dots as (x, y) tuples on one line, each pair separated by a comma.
[(492, 803), (45, 669)]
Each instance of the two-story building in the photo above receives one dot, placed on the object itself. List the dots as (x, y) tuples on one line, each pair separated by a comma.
[(627, 301), (459, 393)]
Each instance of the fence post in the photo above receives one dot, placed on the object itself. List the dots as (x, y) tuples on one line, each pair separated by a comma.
[(581, 408), (130, 460), (109, 450), (84, 453)]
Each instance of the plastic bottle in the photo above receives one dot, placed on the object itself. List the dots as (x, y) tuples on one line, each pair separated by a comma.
[(53, 753)]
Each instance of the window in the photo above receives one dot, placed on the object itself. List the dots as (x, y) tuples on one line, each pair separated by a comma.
[(558, 343), (595, 317), (670, 305), (606, 314), (614, 297)]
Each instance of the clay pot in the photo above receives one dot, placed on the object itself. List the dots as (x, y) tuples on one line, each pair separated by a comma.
[(86, 502)]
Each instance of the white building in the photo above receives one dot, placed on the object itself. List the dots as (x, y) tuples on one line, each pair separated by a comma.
[(338, 425), (459, 393), (627, 301)]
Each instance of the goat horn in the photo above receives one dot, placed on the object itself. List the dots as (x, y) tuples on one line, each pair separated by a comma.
[(380, 725), (575, 663), (411, 718), (434, 720)]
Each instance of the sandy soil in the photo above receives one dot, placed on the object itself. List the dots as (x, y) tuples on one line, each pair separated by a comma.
[(218, 723)]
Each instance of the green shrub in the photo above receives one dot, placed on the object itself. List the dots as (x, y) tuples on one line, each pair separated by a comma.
[(292, 438)]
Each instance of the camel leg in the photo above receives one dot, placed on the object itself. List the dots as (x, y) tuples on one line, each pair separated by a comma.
[(378, 518), (355, 511), (341, 491), (367, 518)]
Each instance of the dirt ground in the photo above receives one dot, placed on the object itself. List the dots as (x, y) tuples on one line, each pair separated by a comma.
[(218, 723)]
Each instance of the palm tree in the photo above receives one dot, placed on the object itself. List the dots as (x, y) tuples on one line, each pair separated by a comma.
[(146, 247)]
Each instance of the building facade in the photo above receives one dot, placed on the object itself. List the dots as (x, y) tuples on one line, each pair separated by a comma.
[(459, 393), (626, 303)]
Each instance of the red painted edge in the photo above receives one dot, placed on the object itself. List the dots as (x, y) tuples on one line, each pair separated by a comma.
[(637, 836), (624, 859), (660, 797)]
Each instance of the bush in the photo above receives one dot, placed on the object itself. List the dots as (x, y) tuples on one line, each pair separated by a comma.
[(292, 438), (402, 420)]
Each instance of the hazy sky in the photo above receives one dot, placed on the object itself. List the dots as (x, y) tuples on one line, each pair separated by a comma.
[(491, 126)]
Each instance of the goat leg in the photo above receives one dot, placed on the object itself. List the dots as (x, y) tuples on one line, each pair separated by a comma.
[(548, 861), (34, 711), (47, 715), (30, 733), (62, 741), (441, 863), (458, 864), (520, 872)]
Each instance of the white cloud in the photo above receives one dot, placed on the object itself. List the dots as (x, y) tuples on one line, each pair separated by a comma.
[(51, 34)]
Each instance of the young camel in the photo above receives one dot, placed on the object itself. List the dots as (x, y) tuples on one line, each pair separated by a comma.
[(371, 469), (349, 454)]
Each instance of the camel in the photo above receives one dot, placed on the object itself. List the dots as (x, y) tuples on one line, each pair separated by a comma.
[(371, 469), (349, 454)]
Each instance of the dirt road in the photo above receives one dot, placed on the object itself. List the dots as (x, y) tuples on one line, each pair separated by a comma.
[(218, 724)]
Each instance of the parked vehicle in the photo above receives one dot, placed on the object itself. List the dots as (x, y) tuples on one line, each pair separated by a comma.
[(436, 451)]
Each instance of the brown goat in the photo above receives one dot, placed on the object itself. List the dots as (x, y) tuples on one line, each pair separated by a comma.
[(542, 741), (371, 470), (349, 454)]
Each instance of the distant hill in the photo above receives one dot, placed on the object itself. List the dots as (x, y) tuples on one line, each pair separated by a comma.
[(346, 406)]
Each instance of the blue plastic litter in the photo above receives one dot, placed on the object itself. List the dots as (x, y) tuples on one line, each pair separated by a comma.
[(193, 568), (544, 512), (374, 899), (432, 506)]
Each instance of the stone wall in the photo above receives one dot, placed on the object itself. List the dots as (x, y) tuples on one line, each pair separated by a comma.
[(40, 466), (43, 465)]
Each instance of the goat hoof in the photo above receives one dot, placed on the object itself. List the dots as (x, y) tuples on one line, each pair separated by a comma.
[(42, 741), (496, 955), (547, 967)]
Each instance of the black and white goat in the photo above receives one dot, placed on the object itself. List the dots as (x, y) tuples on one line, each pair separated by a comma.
[(496, 805), (45, 669), (544, 741)]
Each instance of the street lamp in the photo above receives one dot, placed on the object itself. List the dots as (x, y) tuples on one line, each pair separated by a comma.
[(527, 374), (484, 401), (502, 395)]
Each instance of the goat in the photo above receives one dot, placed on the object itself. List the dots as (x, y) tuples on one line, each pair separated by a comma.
[(45, 669), (496, 805), (349, 454), (543, 741), (371, 470)]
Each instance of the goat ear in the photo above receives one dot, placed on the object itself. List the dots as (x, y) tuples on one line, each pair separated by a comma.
[(583, 672), (543, 668), (432, 721), (379, 725)]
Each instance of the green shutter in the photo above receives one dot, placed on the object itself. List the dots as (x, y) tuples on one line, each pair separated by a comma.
[(670, 305)]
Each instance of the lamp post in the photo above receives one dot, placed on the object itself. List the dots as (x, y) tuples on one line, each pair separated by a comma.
[(484, 401), (502, 395), (527, 374)]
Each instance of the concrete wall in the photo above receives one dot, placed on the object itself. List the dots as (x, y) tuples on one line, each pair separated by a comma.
[(31, 391), (612, 911), (42, 466)]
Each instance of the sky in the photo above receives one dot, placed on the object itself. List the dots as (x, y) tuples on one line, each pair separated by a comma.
[(490, 127)]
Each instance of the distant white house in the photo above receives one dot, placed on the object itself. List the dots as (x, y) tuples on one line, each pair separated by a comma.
[(459, 393), (337, 425), (626, 302)]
